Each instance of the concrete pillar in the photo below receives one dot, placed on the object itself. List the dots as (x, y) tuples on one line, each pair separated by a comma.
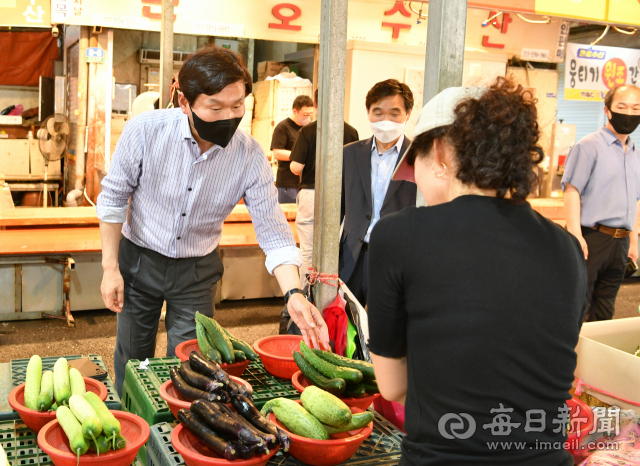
[(333, 57), (445, 50), (166, 52)]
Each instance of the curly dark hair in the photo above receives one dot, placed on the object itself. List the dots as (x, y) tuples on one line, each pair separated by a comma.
[(495, 137)]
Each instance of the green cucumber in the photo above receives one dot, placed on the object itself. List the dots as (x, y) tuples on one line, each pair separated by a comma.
[(295, 418), (240, 356), (205, 346), (330, 370), (371, 386), (110, 425), (100, 445), (77, 382), (355, 390), (334, 386), (365, 367), (32, 382), (219, 339), (327, 408), (54, 407), (121, 442), (61, 384), (45, 399), (73, 429), (240, 345), (84, 412), (358, 421)]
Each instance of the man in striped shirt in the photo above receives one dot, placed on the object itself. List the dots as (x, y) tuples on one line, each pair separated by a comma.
[(176, 175)]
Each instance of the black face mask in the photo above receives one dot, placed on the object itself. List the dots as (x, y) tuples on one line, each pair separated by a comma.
[(624, 124), (218, 132)]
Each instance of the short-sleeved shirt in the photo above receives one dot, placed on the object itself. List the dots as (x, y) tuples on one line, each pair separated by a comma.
[(457, 289), (304, 151), (284, 135), (607, 179)]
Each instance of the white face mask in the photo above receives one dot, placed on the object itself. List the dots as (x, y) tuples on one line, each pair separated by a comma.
[(386, 131)]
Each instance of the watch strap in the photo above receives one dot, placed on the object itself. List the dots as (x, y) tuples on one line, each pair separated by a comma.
[(290, 293)]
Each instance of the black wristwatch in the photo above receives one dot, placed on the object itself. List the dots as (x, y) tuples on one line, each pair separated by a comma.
[(290, 293)]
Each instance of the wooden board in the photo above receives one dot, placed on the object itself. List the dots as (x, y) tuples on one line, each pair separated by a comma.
[(73, 240), (85, 216)]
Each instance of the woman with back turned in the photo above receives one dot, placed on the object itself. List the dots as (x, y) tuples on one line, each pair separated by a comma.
[(476, 302)]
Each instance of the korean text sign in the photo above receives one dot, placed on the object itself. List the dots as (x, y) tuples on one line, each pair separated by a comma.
[(592, 70)]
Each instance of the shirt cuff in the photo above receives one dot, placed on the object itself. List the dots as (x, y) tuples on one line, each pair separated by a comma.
[(288, 255), (112, 214)]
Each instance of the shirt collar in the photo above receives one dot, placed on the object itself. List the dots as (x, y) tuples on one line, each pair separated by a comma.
[(398, 145), (611, 138), (185, 127)]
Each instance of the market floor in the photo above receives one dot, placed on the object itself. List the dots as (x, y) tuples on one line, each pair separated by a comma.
[(95, 331)]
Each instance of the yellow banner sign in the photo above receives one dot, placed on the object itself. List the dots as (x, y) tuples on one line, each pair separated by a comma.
[(25, 13)]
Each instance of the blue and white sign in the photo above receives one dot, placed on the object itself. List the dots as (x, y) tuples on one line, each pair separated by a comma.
[(95, 55)]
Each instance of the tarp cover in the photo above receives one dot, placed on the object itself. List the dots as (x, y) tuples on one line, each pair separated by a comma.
[(26, 56)]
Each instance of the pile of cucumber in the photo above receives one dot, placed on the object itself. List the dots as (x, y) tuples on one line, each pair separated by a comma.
[(242, 433), (46, 391), (321, 414), (216, 344), (336, 374), (89, 425)]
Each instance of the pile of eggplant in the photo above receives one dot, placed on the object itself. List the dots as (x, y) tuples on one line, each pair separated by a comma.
[(242, 433)]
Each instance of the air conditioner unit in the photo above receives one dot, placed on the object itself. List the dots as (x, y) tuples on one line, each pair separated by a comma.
[(152, 57)]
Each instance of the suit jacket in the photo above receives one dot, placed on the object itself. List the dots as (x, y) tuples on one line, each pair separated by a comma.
[(357, 204)]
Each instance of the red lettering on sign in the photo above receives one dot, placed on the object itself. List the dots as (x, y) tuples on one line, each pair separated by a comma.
[(493, 15), (286, 20), (398, 8), (147, 13), (396, 28), (486, 43), (505, 23)]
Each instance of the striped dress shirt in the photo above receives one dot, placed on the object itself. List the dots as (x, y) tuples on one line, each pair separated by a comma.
[(174, 199)]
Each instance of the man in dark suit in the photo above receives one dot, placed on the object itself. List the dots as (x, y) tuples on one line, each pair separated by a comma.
[(368, 193)]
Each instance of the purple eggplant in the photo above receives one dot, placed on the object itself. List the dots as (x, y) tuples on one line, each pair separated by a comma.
[(187, 391), (269, 439), (224, 424), (245, 407), (216, 443), (209, 368), (198, 380), (249, 451), (234, 388)]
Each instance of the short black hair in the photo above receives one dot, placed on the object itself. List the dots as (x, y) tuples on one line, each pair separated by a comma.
[(389, 88), (608, 98), (209, 70), (302, 101)]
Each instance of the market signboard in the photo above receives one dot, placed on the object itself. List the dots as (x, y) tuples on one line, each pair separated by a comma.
[(592, 70), (380, 21), (25, 13)]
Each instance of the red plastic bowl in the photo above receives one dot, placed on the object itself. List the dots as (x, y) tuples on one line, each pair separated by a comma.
[(175, 401), (54, 442), (276, 353), (196, 453), (184, 349), (35, 420), (581, 422), (337, 450), (362, 402)]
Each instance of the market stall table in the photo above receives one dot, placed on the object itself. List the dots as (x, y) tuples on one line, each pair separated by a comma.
[(31, 260)]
